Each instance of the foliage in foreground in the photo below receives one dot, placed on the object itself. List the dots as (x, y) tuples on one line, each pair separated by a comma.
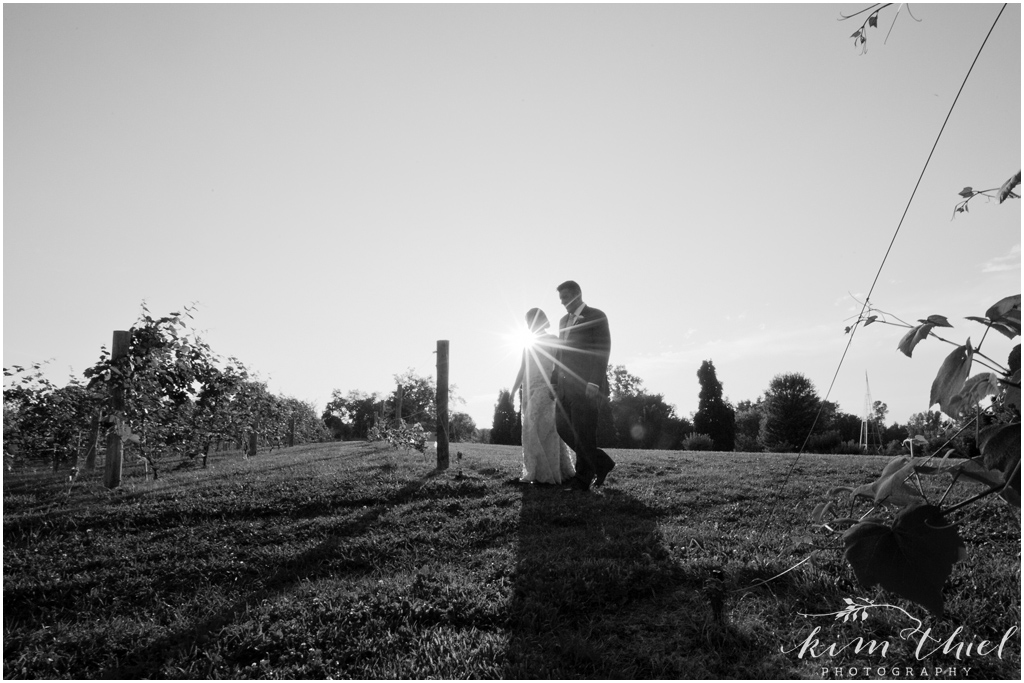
[(906, 541), (357, 561)]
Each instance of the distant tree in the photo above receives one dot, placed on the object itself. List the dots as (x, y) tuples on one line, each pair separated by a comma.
[(633, 418), (714, 416), (848, 425), (646, 421), (622, 383), (748, 425), (419, 395), (503, 428), (336, 426), (928, 424), (298, 419), (893, 437), (879, 411), (461, 427), (419, 400), (351, 415), (790, 406), (844, 426)]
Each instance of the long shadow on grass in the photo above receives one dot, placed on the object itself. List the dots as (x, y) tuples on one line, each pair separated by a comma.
[(597, 595), (580, 556), (324, 559)]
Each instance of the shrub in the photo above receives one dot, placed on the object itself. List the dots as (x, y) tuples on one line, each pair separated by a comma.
[(698, 442), (406, 436), (826, 442), (848, 448), (747, 444)]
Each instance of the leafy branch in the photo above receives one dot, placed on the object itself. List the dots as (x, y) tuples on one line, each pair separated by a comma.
[(407, 436), (860, 36), (1003, 317), (918, 542), (1006, 191)]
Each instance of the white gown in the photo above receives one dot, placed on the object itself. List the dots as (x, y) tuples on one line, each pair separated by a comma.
[(546, 458)]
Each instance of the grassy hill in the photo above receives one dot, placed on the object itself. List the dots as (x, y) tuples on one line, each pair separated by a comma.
[(356, 561)]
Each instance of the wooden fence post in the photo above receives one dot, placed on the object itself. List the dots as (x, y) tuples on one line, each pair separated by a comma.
[(115, 449), (399, 395), (442, 404)]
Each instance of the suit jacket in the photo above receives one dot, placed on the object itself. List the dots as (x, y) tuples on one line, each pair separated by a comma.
[(583, 350)]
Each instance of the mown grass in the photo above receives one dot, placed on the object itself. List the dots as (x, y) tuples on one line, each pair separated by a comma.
[(354, 561)]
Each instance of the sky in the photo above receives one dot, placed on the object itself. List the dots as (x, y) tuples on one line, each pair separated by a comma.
[(338, 187)]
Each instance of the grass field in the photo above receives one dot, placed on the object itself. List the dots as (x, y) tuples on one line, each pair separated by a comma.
[(355, 561)]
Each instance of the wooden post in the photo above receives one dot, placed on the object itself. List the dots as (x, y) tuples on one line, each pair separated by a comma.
[(399, 394), (442, 404), (115, 449), (291, 431)]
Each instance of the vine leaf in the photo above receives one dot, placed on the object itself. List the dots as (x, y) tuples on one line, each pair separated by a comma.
[(1012, 395), (980, 387), (891, 488), (913, 558), (1006, 191), (1000, 450), (1006, 313), (1011, 381), (973, 469), (914, 337), (967, 192), (1001, 328), (937, 321), (951, 378)]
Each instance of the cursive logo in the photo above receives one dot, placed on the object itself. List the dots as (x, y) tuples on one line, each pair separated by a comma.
[(915, 646)]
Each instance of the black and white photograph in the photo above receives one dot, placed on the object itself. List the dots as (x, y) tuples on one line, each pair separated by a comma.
[(517, 341)]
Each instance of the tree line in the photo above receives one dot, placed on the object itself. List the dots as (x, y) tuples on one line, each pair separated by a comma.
[(787, 417), (354, 414), (185, 400)]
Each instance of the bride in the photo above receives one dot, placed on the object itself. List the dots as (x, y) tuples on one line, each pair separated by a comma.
[(546, 459)]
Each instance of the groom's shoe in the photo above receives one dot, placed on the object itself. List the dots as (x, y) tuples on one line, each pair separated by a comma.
[(602, 473)]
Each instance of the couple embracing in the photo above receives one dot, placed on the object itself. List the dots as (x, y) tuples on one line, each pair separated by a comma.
[(565, 381)]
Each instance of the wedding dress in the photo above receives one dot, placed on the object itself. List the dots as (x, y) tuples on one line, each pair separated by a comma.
[(546, 458)]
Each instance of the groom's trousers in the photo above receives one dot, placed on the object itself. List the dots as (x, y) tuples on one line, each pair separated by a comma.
[(576, 419)]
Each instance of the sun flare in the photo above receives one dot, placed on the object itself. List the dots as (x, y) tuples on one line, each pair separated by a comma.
[(523, 338)]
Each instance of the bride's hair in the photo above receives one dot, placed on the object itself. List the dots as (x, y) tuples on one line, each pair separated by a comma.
[(536, 319)]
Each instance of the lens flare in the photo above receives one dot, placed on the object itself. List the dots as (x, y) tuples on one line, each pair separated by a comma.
[(519, 339)]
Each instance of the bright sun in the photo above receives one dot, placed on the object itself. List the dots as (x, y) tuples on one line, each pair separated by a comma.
[(519, 339), (525, 338)]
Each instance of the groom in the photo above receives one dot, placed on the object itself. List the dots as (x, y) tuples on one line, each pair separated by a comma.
[(580, 381)]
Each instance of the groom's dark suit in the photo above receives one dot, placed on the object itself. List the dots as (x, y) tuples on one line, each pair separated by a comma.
[(582, 358)]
